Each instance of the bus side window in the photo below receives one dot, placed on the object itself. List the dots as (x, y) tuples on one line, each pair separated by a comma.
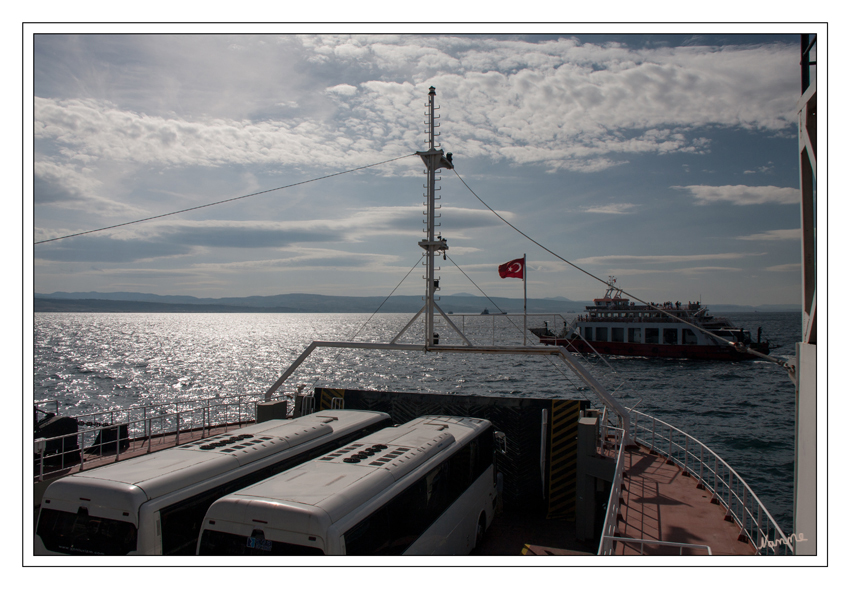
[(460, 471), (486, 450), (370, 536)]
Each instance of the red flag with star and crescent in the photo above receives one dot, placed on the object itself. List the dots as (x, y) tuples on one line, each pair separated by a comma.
[(512, 269)]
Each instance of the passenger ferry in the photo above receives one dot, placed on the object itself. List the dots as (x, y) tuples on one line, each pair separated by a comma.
[(614, 325)]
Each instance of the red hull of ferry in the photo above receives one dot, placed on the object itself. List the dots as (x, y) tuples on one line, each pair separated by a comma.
[(654, 350)]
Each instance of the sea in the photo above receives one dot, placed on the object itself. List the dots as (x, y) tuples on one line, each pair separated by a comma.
[(743, 411)]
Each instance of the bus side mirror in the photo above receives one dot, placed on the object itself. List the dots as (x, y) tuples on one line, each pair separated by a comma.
[(501, 442)]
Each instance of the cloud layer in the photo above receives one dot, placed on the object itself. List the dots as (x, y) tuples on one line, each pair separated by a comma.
[(558, 103), (602, 147)]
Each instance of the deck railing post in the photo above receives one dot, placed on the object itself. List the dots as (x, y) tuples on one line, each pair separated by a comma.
[(653, 435), (701, 464), (82, 451), (715, 475), (729, 494), (670, 445)]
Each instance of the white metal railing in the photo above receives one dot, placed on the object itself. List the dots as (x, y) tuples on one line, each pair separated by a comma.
[(609, 526), (713, 474), (643, 542), (111, 433)]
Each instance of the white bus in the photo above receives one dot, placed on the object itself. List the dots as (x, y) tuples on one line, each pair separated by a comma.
[(154, 504), (425, 487)]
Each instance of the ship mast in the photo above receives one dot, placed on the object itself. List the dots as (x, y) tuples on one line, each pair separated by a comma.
[(434, 159)]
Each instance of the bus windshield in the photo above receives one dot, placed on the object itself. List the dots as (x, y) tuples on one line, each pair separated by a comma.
[(215, 543), (80, 533)]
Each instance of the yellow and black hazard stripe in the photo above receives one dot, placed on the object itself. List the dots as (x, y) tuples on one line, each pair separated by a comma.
[(563, 457), (327, 396)]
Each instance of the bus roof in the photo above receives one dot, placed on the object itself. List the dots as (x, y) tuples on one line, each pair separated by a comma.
[(341, 481), (156, 474)]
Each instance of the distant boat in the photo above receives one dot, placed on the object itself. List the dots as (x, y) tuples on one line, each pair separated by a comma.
[(485, 311)]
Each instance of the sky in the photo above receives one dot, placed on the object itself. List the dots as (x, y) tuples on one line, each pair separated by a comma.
[(666, 160)]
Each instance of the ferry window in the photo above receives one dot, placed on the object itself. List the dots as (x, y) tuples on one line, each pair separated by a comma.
[(671, 336), (617, 334), (688, 336), (602, 334), (634, 335), (79, 533), (588, 334), (651, 335)]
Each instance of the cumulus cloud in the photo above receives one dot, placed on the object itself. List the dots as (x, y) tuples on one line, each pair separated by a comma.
[(742, 195), (688, 270), (107, 249), (774, 235), (179, 237), (104, 132), (784, 268), (612, 209), (623, 259), (343, 89), (61, 183), (306, 258), (563, 104), (567, 96)]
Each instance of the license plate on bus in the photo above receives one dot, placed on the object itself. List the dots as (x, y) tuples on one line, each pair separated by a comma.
[(260, 544)]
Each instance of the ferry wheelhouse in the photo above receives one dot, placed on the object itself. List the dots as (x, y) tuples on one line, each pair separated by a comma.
[(615, 325)]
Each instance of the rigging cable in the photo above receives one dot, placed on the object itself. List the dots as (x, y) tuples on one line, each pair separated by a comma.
[(543, 247), (221, 201)]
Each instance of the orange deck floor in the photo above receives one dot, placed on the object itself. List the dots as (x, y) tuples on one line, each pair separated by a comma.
[(662, 504)]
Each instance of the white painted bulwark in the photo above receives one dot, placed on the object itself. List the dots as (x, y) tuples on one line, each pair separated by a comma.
[(805, 489)]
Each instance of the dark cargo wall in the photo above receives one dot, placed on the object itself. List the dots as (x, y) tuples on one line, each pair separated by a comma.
[(520, 418)]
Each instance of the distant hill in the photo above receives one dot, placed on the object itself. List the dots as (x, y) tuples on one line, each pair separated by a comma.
[(45, 305), (130, 302), (127, 302)]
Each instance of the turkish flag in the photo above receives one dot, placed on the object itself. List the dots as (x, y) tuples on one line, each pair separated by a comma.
[(512, 269)]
